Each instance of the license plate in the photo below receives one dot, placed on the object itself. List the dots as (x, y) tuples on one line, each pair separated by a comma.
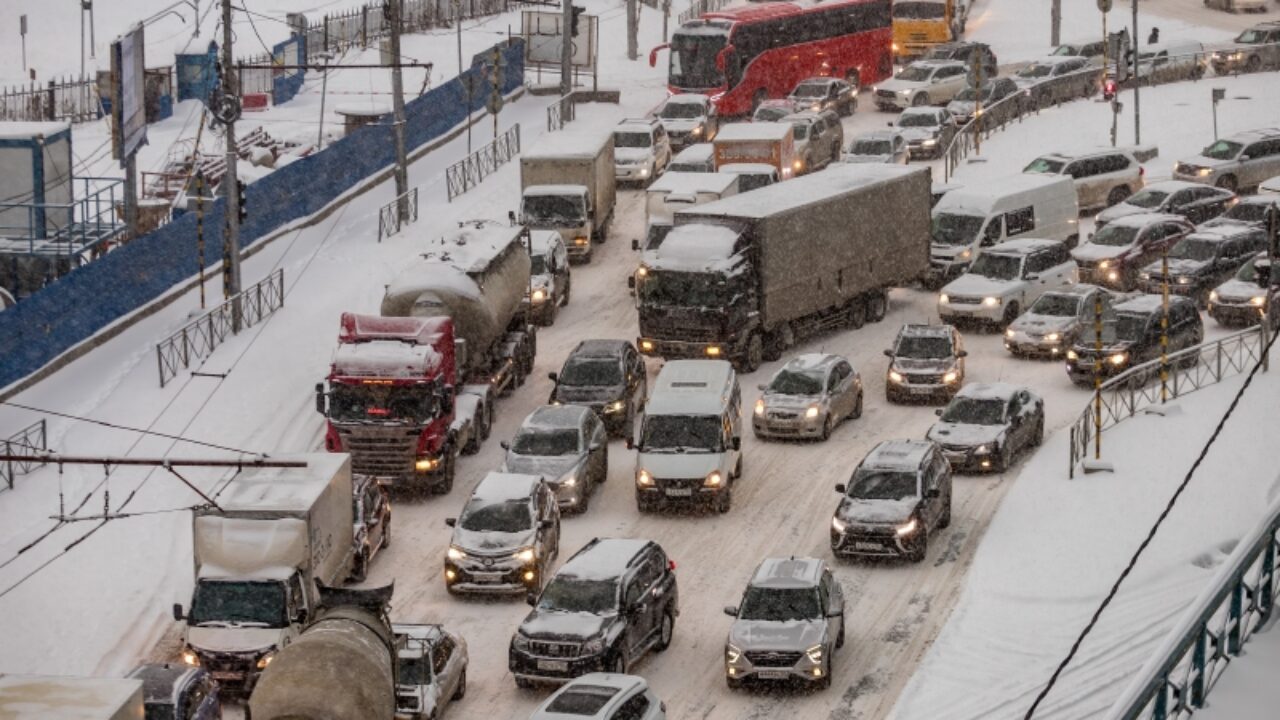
[(679, 492), (224, 675), (554, 665), (953, 457), (773, 674), (486, 577), (866, 546), (919, 390)]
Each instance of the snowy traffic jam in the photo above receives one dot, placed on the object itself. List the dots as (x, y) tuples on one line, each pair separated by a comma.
[(784, 359)]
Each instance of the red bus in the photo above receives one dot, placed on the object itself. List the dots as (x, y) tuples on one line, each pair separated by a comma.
[(744, 55)]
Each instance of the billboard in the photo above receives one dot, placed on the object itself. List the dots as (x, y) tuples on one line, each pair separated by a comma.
[(543, 39), (128, 97)]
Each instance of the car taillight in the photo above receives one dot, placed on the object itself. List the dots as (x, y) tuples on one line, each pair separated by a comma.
[(671, 565), (1142, 172)]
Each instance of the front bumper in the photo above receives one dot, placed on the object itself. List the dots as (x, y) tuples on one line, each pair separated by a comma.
[(1026, 344), (871, 541), (767, 665), (1208, 178), (914, 386), (923, 148), (624, 173), (678, 349), (527, 666), (1112, 277), (235, 673), (786, 424), (579, 248), (686, 492), (967, 459), (1235, 314), (490, 576), (1155, 285), (889, 100), (952, 311), (1082, 373)]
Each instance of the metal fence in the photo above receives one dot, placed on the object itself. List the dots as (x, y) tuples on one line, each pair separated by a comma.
[(698, 7), (197, 339), (362, 25), (470, 171), (32, 440), (1138, 388), (73, 100), (389, 222), (1211, 632), (561, 112)]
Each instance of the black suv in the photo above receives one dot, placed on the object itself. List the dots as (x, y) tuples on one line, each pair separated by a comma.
[(1203, 259), (964, 52), (607, 376), (1132, 337), (898, 495), (612, 602), (926, 362)]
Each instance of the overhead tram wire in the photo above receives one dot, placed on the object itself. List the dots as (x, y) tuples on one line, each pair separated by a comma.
[(128, 428)]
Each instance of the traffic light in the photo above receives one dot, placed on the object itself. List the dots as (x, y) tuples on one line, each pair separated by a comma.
[(240, 201), (1124, 64), (1109, 89), (573, 28)]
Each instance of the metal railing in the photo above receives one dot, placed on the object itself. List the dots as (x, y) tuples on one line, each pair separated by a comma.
[(698, 7), (32, 440), (1211, 632), (389, 222), (561, 112), (1138, 388), (360, 26), (197, 339), (471, 170), (74, 100)]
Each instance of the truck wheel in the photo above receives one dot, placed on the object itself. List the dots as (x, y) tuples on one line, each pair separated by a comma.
[(754, 354), (461, 691), (779, 341), (473, 443), (444, 484), (564, 298), (1227, 182), (360, 565), (877, 306), (855, 313), (1117, 195)]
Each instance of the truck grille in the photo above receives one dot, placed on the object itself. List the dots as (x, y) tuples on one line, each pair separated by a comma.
[(223, 662), (682, 333), (958, 300), (672, 483), (773, 658), (543, 648), (380, 452)]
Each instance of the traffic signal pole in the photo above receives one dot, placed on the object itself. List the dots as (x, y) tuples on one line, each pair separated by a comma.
[(397, 104), (1137, 78), (231, 180), (566, 49)]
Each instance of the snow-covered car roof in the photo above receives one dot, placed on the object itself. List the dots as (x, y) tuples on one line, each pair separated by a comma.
[(1021, 246), (1141, 220), (691, 387), (555, 417), (497, 487), (792, 572), (164, 683), (693, 182), (542, 241), (875, 135), (897, 455), (928, 111), (923, 330), (1222, 233), (1146, 303), (811, 361), (1078, 290), (1172, 185), (992, 391), (936, 64), (603, 558), (697, 152), (754, 131), (637, 126)]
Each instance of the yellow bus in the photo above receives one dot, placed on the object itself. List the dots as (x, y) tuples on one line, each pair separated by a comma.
[(920, 24)]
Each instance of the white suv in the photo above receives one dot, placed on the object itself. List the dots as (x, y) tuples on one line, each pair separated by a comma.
[(1102, 177), (923, 82), (1004, 280), (603, 696), (641, 150), (1243, 160)]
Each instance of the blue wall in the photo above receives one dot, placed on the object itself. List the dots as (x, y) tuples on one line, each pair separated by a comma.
[(71, 310)]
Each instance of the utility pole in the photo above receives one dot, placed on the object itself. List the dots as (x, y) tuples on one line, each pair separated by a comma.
[(231, 180), (1164, 326), (666, 17), (633, 44), (22, 30), (566, 49), (324, 92), (397, 103), (1055, 19), (1137, 77)]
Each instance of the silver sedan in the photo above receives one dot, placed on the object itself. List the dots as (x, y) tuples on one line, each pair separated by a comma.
[(808, 397)]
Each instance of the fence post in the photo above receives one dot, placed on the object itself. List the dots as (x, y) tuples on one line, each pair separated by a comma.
[(1234, 618), (364, 26), (51, 112), (1197, 666), (1218, 363), (1267, 578)]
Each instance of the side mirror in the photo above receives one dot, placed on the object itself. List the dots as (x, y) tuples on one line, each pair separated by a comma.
[(737, 443), (731, 611), (504, 445), (177, 612), (834, 613), (451, 521), (840, 488), (300, 617), (320, 405), (553, 377), (635, 244), (962, 353), (888, 352), (653, 54), (1033, 276), (631, 282), (511, 216), (631, 444), (938, 412), (531, 599)]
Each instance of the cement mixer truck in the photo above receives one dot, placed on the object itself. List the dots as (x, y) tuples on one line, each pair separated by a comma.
[(410, 390), (352, 663)]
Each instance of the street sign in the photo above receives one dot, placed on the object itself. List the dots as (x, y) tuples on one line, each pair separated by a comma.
[(1219, 94), (1104, 6)]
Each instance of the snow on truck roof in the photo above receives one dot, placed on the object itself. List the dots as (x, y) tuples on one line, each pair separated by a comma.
[(542, 190), (802, 191), (385, 360), (981, 198), (575, 142), (693, 182), (691, 387), (282, 489), (603, 559), (455, 258), (754, 131), (37, 697), (696, 248)]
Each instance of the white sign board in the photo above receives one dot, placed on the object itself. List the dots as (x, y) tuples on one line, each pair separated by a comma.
[(128, 106), (543, 39)]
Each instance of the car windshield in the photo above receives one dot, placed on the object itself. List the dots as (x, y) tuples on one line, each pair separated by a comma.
[(918, 120), (537, 264), (1045, 165), (954, 229), (505, 516), (870, 147), (1222, 150), (883, 485), (923, 347), (686, 289), (545, 441), (970, 94), (632, 140), (800, 130), (657, 233), (239, 602), (1056, 305), (591, 372), (780, 604), (682, 433), (1036, 70), (413, 671), (1249, 271), (914, 73), (919, 10), (693, 60), (797, 382), (555, 210), (1191, 248), (682, 111), (1131, 327), (1251, 37), (381, 403), (810, 90), (974, 411), (158, 711), (770, 114), (566, 593), (584, 700), (1066, 51), (1247, 212), (1114, 235), (997, 267)]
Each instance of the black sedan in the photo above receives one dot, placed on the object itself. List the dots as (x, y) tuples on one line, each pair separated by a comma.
[(1193, 201), (986, 425)]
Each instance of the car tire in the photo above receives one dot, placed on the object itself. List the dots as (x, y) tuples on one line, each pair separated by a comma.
[(857, 409), (754, 354), (1038, 438), (840, 637), (524, 684), (733, 683), (877, 306), (386, 534), (584, 499), (827, 427), (1227, 182), (646, 506), (824, 682), (564, 296), (1254, 64), (1004, 459), (737, 468), (618, 664), (725, 500), (445, 484), (461, 691), (1010, 314), (360, 565), (921, 550), (1118, 195), (855, 314), (920, 100), (666, 631), (945, 520)]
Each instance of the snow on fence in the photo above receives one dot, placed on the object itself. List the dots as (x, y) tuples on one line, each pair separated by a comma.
[(471, 170), (389, 222), (698, 7), (1138, 388), (561, 112), (63, 315), (30, 442), (73, 100), (359, 26), (1211, 632)]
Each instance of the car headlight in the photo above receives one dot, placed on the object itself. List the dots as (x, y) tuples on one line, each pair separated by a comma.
[(907, 528), (265, 660), (895, 376), (1073, 355), (1052, 337), (615, 406), (644, 478), (904, 93), (1104, 264), (759, 408), (838, 525), (1144, 275), (966, 254), (982, 450), (456, 553), (943, 299), (1213, 296), (713, 351), (732, 654), (642, 271), (1119, 358), (1204, 171), (929, 143), (714, 478), (1113, 276), (190, 658), (570, 481), (950, 377), (815, 654), (811, 412), (520, 642), (580, 241), (538, 295), (990, 301), (798, 164), (594, 646), (1258, 300), (1009, 333), (525, 555), (696, 131), (646, 345), (425, 464), (1184, 280)]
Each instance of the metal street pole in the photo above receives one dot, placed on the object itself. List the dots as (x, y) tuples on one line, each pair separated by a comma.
[(1164, 326), (81, 39), (231, 180), (1137, 78), (397, 103), (1055, 22), (566, 49), (324, 90), (22, 30), (633, 44), (457, 21), (1097, 377)]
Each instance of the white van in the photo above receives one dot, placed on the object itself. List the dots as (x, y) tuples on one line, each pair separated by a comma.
[(678, 191), (699, 157), (970, 218), (690, 444)]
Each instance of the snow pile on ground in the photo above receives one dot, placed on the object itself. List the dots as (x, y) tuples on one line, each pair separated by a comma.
[(1247, 690), (1057, 545)]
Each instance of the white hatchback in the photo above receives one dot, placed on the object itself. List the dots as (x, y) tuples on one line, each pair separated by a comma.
[(1005, 280), (602, 696)]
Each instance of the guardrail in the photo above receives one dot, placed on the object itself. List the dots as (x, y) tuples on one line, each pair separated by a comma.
[(561, 112), (389, 222), (198, 339), (1137, 388), (1210, 633), (32, 440), (471, 170), (698, 7)]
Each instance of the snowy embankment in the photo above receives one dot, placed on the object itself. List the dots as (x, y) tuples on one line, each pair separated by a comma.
[(1247, 690)]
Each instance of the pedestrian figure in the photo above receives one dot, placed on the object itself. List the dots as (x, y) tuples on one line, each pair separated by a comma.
[(1154, 37)]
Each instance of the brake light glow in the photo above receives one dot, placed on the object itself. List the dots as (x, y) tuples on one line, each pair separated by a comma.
[(671, 565), (381, 412)]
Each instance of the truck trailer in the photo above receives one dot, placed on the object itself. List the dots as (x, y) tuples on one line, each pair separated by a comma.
[(768, 143), (274, 532), (567, 184), (744, 277)]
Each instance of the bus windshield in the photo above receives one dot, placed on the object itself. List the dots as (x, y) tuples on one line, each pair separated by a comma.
[(693, 60), (919, 10)]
